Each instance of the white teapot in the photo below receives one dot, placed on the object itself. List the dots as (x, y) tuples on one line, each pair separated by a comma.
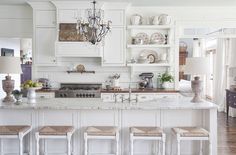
[(164, 19)]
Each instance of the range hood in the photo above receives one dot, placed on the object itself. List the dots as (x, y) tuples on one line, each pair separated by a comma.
[(69, 43), (77, 49)]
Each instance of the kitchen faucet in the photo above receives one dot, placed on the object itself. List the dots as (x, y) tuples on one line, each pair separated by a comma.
[(130, 97)]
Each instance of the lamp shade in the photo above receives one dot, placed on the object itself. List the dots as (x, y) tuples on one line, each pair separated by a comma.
[(197, 66), (10, 65)]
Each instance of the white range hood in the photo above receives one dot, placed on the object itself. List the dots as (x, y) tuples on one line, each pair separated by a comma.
[(77, 49), (67, 11)]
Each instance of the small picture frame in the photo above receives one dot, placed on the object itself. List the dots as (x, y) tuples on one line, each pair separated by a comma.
[(7, 52)]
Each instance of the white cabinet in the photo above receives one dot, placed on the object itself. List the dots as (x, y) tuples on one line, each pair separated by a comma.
[(114, 49), (44, 35), (116, 16), (45, 95), (67, 15), (44, 46), (45, 18)]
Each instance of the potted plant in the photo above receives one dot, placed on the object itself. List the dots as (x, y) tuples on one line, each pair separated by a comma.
[(166, 79), (18, 96)]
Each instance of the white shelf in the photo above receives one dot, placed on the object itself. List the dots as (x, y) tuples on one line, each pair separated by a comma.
[(149, 27), (149, 65), (149, 46)]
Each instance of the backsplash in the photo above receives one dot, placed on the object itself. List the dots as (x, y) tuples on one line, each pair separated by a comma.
[(59, 75)]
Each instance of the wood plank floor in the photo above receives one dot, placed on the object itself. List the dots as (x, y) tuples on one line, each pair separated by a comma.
[(226, 135)]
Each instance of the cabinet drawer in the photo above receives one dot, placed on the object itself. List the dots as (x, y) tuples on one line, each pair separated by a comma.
[(45, 95), (116, 16), (45, 18), (144, 97), (107, 97)]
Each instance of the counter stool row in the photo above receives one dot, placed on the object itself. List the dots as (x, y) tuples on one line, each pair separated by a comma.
[(107, 133)]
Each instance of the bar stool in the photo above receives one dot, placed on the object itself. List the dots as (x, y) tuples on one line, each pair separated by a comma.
[(147, 133), (55, 132), (102, 133), (194, 134), (16, 132)]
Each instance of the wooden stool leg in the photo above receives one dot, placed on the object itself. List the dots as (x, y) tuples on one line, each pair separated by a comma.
[(201, 149), (178, 144), (21, 144), (37, 143), (117, 143), (210, 147), (68, 143), (159, 147), (163, 144), (85, 144), (1, 147), (131, 144)]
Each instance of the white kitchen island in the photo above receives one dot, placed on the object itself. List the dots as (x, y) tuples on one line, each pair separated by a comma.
[(80, 113)]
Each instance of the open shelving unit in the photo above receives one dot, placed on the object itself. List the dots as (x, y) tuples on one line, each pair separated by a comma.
[(133, 49)]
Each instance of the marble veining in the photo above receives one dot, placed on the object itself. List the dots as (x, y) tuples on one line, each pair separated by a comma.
[(98, 104)]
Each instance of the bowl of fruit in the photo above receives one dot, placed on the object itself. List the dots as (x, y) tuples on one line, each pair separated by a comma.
[(31, 87)]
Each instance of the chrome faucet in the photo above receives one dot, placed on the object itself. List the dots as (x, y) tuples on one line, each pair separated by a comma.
[(130, 97)]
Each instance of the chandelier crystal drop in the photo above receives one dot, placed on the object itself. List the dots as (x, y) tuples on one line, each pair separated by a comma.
[(94, 29)]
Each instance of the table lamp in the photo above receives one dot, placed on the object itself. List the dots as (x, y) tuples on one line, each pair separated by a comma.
[(197, 66), (9, 65)]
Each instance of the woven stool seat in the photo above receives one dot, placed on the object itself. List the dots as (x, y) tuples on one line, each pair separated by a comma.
[(190, 131), (13, 129), (102, 130), (146, 131), (55, 130)]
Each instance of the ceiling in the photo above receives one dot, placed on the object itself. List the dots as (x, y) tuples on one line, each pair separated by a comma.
[(148, 2)]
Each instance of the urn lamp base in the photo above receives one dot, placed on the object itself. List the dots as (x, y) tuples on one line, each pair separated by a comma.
[(197, 87), (8, 87)]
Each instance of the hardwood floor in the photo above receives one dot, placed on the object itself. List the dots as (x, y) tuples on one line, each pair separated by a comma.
[(226, 135)]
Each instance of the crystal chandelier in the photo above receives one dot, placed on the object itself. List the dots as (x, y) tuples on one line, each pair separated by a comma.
[(94, 29)]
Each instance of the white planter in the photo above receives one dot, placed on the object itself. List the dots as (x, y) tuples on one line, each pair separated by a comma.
[(31, 95), (167, 85), (116, 83)]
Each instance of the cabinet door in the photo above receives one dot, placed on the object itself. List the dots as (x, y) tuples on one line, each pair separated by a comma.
[(45, 18), (44, 46), (114, 51), (116, 16), (67, 16)]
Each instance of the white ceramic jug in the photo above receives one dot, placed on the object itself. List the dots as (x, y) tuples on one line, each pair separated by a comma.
[(136, 19), (155, 20), (164, 19)]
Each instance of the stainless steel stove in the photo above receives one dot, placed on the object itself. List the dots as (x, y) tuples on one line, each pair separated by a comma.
[(79, 90)]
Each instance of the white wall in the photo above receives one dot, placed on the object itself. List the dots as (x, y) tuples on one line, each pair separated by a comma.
[(12, 44), (16, 21)]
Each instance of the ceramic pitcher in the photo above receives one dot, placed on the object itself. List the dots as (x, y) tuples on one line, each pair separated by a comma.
[(164, 19), (136, 19)]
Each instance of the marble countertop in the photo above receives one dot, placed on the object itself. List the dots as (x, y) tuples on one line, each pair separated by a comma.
[(98, 104)]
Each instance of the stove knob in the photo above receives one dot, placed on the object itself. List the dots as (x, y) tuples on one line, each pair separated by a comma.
[(77, 95), (83, 95), (80, 95), (93, 95), (87, 95), (65, 95), (90, 95), (61, 95)]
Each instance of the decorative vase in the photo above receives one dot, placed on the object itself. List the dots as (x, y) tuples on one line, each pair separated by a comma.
[(31, 95)]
